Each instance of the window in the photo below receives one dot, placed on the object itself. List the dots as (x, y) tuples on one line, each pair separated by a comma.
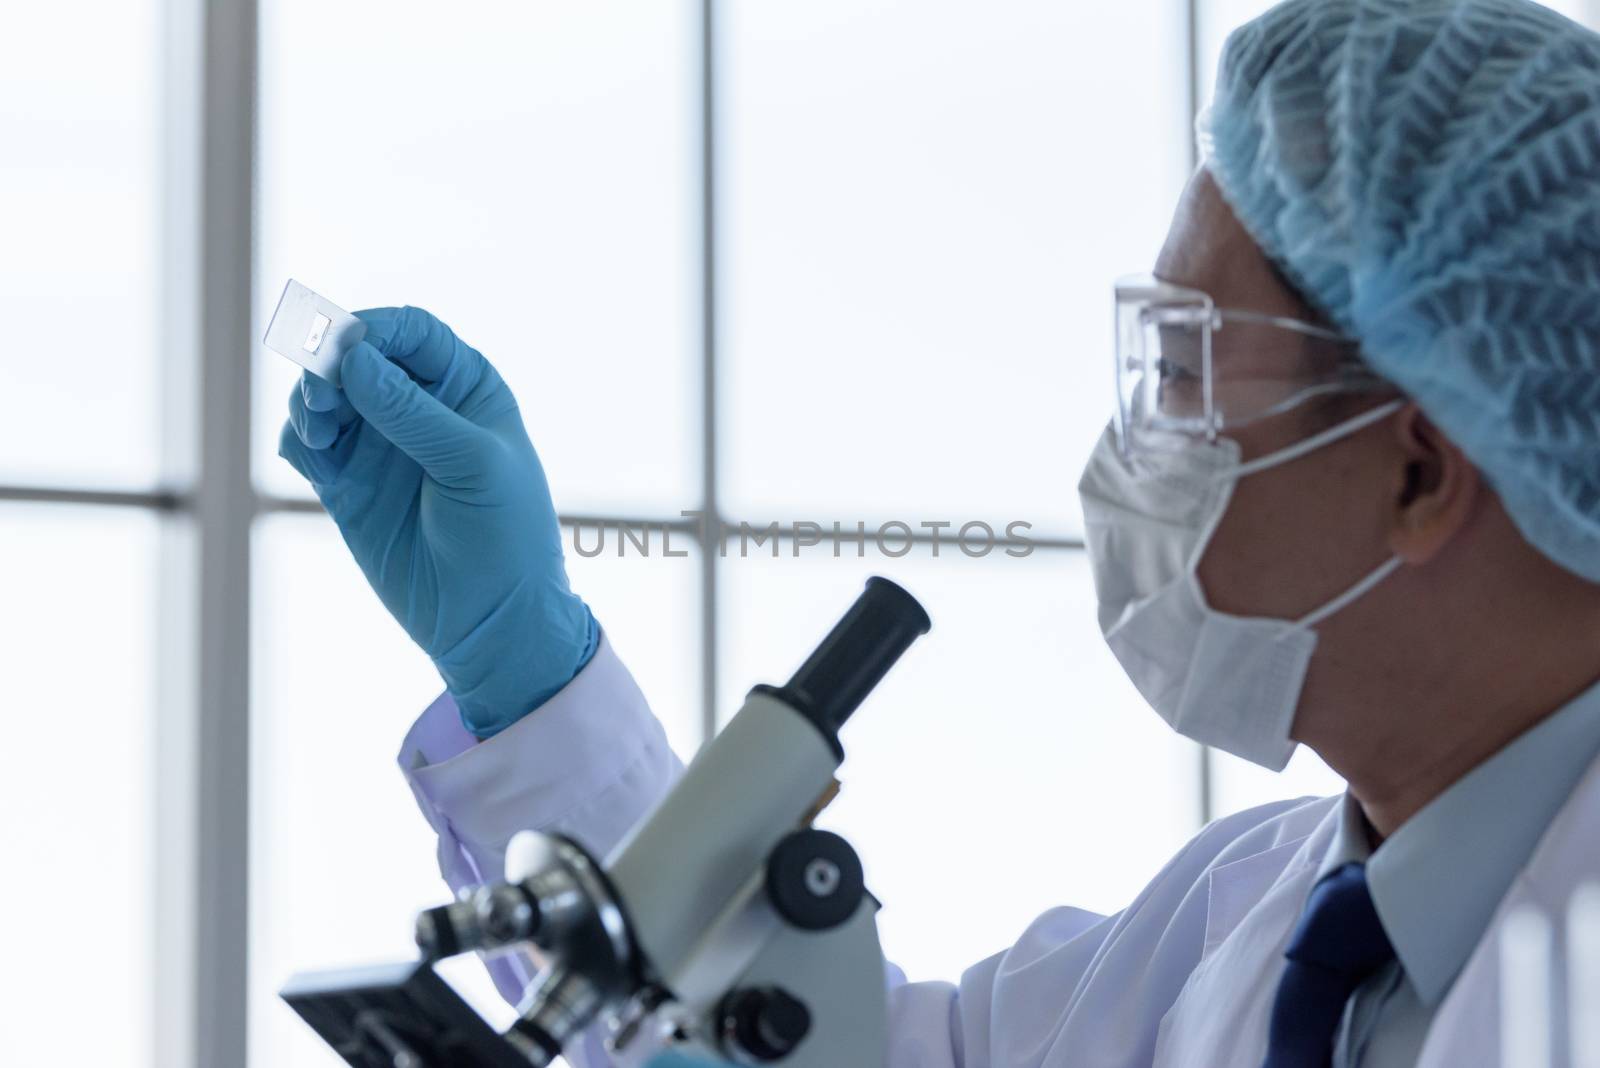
[(1007, 730), (82, 525), (524, 171), (920, 214), (79, 207), (834, 261), (527, 173), (80, 586)]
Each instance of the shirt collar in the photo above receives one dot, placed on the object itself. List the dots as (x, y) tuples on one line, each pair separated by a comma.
[(1438, 879), (1349, 842)]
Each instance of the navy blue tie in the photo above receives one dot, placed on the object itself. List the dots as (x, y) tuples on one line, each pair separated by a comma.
[(1337, 946)]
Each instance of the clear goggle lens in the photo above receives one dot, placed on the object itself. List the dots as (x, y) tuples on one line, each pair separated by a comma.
[(1187, 370)]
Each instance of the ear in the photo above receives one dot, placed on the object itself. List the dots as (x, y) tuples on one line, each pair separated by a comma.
[(1438, 488)]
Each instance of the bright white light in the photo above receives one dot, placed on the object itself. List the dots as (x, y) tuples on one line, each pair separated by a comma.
[(1583, 977), (1525, 950), (925, 209), (80, 601), (525, 171), (80, 215)]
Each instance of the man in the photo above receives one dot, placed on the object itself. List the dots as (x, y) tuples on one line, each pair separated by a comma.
[(1351, 500)]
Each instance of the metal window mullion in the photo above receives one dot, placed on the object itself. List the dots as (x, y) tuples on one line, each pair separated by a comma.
[(224, 507), (202, 735), (1207, 763), (709, 498), (157, 500), (699, 526)]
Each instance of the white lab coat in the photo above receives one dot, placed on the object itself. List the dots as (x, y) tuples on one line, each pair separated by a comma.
[(1183, 976)]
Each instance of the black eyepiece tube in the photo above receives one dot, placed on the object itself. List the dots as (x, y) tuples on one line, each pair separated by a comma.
[(857, 653)]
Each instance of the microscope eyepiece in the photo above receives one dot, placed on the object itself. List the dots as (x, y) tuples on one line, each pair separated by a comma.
[(857, 653)]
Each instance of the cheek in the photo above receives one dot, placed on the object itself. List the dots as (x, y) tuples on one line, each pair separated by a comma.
[(1288, 542)]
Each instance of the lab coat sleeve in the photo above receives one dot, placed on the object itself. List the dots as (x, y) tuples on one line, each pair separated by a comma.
[(588, 764), (593, 761)]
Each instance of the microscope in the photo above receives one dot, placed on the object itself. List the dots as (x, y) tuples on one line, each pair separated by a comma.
[(724, 925)]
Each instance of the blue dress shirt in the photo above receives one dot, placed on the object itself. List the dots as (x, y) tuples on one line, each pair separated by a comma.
[(1438, 879)]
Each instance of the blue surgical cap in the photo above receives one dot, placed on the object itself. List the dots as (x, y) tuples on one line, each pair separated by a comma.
[(1427, 172)]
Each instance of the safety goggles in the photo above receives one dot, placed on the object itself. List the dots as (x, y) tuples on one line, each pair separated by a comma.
[(1188, 370)]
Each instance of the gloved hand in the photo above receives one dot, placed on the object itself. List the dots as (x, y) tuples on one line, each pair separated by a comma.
[(678, 1060), (423, 462)]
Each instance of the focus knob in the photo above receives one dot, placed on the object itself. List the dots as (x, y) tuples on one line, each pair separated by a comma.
[(814, 879), (763, 1023)]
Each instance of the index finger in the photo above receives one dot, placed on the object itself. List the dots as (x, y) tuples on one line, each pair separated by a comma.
[(419, 342)]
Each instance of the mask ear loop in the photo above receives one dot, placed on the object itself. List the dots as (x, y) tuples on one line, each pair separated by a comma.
[(1316, 441), (1311, 444), (1378, 574)]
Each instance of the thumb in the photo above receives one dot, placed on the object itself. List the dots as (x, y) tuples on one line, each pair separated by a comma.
[(413, 420)]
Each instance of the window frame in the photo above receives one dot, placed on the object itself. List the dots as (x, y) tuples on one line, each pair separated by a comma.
[(208, 504)]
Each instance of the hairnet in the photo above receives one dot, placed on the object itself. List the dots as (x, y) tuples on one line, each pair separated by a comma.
[(1428, 173)]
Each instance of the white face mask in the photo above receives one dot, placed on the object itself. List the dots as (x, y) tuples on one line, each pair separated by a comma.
[(1225, 681)]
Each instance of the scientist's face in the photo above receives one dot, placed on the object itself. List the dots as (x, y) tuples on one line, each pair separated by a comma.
[(1296, 535)]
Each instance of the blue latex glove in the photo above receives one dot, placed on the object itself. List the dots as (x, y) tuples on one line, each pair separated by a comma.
[(678, 1060), (423, 462)]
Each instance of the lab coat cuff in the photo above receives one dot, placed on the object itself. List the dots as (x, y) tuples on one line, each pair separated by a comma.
[(588, 763)]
